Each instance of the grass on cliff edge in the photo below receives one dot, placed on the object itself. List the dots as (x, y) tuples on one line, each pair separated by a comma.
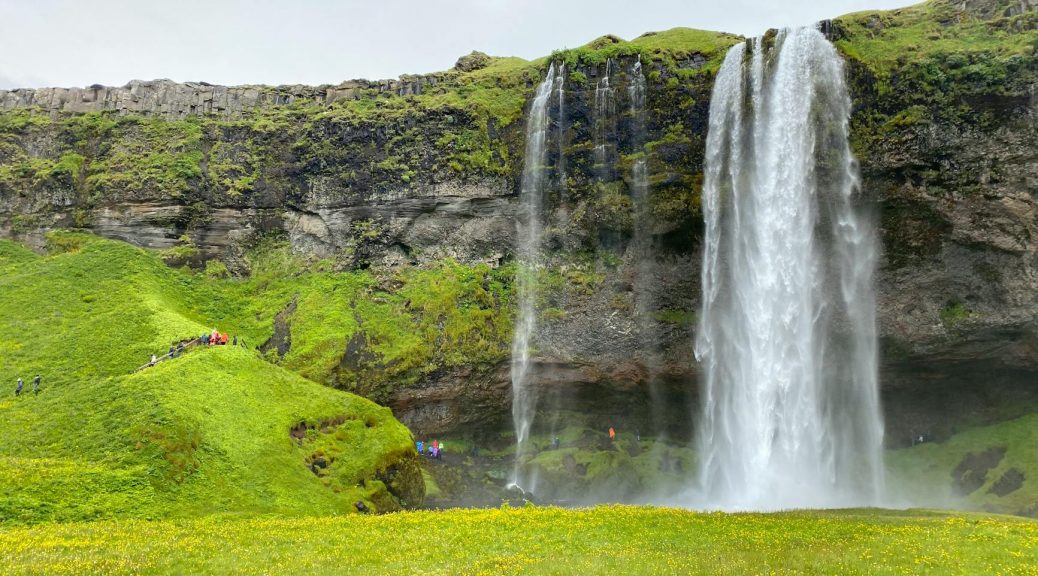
[(603, 540), (207, 432)]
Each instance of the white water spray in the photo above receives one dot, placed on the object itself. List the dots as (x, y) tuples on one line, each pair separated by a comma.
[(530, 232), (790, 409)]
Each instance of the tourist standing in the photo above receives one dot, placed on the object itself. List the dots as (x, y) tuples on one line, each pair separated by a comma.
[(18, 387), (36, 385)]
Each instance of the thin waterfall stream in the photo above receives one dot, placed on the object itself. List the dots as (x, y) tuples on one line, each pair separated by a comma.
[(530, 232)]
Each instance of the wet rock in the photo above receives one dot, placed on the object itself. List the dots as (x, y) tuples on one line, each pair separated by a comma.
[(971, 473), (1010, 481)]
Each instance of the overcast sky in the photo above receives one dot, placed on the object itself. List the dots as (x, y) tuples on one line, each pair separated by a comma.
[(79, 42)]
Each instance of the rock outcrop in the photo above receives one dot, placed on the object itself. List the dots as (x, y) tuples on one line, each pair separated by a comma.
[(172, 100)]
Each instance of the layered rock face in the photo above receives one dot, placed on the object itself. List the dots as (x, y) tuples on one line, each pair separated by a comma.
[(172, 100), (410, 172)]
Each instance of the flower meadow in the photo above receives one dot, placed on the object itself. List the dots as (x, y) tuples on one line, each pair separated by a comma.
[(601, 540)]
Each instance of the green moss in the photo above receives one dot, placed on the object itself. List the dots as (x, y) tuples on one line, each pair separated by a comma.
[(148, 155), (954, 313), (671, 48), (679, 317), (22, 119), (940, 61)]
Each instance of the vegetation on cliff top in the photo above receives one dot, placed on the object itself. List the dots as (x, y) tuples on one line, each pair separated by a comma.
[(207, 432), (466, 124), (603, 540), (941, 61)]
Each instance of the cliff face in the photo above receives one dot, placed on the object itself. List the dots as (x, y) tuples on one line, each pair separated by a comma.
[(402, 174), (946, 130)]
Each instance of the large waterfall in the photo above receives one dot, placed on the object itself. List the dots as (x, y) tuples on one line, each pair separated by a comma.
[(790, 409), (530, 232)]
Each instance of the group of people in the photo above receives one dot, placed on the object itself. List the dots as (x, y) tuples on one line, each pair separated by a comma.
[(21, 386), (433, 450), (214, 338), (218, 339)]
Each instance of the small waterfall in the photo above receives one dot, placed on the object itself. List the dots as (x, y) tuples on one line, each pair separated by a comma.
[(560, 130), (605, 119), (787, 337), (530, 231), (641, 246)]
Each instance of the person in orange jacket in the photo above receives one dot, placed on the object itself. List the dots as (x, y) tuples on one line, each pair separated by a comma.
[(612, 433)]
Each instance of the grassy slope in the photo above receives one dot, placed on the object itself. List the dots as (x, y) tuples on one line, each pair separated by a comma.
[(923, 474), (606, 540), (888, 39), (413, 320), (936, 63), (206, 432)]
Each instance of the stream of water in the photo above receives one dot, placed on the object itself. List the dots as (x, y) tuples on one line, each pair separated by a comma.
[(787, 338)]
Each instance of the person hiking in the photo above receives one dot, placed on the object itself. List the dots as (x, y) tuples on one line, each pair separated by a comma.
[(172, 350), (153, 360), (234, 340), (36, 385), (223, 339), (204, 339), (18, 387), (418, 444), (612, 433)]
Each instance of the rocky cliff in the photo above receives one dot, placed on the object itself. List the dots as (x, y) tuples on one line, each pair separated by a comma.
[(403, 175)]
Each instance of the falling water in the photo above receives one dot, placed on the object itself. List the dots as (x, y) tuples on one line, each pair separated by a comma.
[(560, 128), (530, 229), (642, 250), (605, 116), (790, 408)]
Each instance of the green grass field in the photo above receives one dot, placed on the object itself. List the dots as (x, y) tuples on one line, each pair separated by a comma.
[(604, 540)]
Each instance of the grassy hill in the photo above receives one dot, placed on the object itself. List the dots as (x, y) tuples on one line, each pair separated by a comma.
[(605, 540), (215, 430), (991, 468)]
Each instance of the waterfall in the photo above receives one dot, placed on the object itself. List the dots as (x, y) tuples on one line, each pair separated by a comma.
[(787, 337), (530, 230), (560, 130), (605, 116), (641, 246)]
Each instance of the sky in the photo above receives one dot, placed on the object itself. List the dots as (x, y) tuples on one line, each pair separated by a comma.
[(79, 43)]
